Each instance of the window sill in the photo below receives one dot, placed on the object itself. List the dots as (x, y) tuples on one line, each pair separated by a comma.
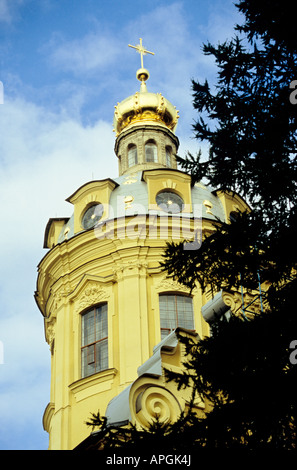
[(93, 384)]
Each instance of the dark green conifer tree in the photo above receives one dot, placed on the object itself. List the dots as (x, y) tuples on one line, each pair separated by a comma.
[(249, 120)]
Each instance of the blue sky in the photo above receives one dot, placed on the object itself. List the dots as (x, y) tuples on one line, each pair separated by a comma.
[(64, 65)]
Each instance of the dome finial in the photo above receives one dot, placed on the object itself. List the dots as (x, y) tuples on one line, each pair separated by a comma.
[(142, 74)]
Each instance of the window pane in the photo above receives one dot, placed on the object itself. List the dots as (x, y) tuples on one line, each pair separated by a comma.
[(88, 328), (132, 155), (91, 354), (84, 362), (94, 351), (175, 310), (88, 361), (168, 312), (168, 156), (101, 355), (150, 152), (185, 312), (101, 322)]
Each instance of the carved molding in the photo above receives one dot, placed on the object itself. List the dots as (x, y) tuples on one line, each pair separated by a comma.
[(47, 416), (92, 294), (50, 331), (121, 268), (167, 284), (58, 297), (87, 293), (169, 184)]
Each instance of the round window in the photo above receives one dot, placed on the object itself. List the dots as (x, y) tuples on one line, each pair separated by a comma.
[(170, 202), (92, 216)]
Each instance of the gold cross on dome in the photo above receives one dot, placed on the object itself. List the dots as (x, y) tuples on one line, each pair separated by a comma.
[(142, 51)]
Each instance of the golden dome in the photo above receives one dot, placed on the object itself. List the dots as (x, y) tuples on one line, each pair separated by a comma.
[(144, 106)]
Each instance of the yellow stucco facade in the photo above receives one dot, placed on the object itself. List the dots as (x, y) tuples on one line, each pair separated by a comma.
[(116, 263)]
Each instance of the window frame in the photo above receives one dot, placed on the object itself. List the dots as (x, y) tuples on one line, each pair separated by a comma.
[(168, 154), (132, 147), (151, 144), (177, 314), (99, 363)]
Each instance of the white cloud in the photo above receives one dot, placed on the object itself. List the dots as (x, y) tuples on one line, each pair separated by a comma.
[(168, 31), (93, 52), (44, 158), (8, 9), (48, 153)]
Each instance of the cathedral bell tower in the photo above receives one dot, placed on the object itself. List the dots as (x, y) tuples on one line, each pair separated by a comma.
[(110, 313), (145, 126)]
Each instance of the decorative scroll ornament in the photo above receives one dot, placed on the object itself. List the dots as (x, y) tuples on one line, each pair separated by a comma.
[(151, 401), (234, 301)]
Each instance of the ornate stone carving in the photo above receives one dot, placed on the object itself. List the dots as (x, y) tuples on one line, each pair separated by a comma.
[(150, 396), (50, 331), (122, 267), (169, 184), (130, 179), (234, 301), (167, 284), (150, 401), (128, 200), (93, 293), (57, 297), (208, 206)]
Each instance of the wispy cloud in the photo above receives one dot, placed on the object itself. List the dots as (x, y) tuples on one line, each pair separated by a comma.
[(221, 19), (8, 9), (94, 52), (44, 158), (5, 11), (168, 31), (48, 157), (48, 149)]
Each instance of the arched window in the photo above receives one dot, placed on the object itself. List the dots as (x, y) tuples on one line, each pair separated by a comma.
[(175, 310), (94, 340), (132, 155), (151, 154), (168, 156)]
